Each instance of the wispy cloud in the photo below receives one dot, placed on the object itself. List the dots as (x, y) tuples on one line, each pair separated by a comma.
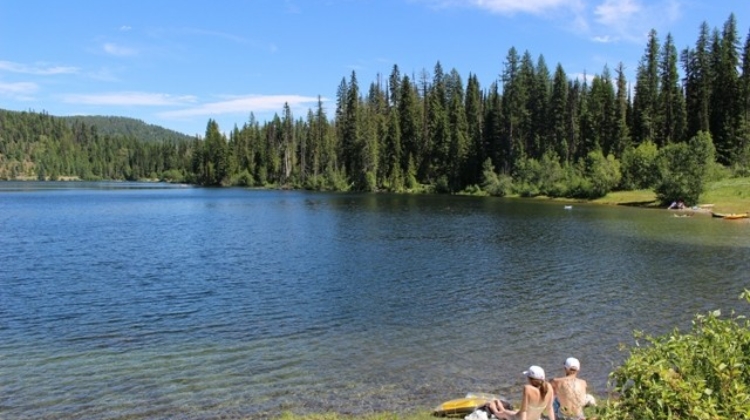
[(602, 21), (36, 69), (125, 28), (606, 39), (630, 20), (510, 7), (18, 90), (118, 50), (129, 99), (244, 105)]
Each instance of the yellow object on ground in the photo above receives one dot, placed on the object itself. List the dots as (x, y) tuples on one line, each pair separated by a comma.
[(463, 406), (736, 216)]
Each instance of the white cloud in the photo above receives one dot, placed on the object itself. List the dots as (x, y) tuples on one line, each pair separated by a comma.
[(606, 39), (510, 6), (120, 51), (612, 12), (37, 69), (128, 99), (527, 6), (244, 105), (18, 90), (125, 28), (631, 20)]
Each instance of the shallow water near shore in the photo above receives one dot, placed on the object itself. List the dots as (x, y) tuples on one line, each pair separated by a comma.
[(147, 301)]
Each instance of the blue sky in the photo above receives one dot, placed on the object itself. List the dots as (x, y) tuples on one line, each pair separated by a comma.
[(178, 63)]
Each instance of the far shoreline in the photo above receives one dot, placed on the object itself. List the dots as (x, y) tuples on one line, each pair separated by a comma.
[(726, 196)]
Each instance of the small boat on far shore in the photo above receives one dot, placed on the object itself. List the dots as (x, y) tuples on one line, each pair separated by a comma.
[(730, 216), (737, 216)]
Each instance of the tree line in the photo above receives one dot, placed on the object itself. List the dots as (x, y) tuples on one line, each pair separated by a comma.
[(533, 131)]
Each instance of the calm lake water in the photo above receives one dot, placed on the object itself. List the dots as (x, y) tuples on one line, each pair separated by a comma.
[(147, 301)]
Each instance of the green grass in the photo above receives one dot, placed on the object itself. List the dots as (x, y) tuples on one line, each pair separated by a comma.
[(725, 196), (729, 195)]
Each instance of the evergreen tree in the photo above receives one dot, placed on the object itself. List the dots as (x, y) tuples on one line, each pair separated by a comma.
[(514, 103), (645, 101), (558, 115), (697, 67), (498, 148), (672, 121), (216, 156), (621, 136), (539, 98), (352, 136), (602, 117), (409, 121), (439, 128), (725, 100), (477, 150), (458, 174)]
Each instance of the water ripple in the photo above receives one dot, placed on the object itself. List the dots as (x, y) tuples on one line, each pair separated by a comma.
[(198, 304)]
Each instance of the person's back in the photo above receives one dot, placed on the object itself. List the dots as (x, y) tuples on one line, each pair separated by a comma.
[(536, 398), (570, 392), (535, 403)]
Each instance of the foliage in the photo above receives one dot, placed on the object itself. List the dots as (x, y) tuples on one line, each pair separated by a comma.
[(702, 374), (128, 127), (639, 166), (684, 169), (494, 184), (243, 179), (603, 173)]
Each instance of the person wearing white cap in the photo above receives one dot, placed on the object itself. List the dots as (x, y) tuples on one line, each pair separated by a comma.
[(570, 392), (536, 398)]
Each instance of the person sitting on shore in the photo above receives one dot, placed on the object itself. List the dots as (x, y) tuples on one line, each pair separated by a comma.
[(536, 398), (570, 392)]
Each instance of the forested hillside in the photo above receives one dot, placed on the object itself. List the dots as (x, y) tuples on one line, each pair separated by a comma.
[(685, 119), (40, 146), (129, 127)]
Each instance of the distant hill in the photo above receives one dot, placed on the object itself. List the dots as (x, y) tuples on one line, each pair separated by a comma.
[(128, 127)]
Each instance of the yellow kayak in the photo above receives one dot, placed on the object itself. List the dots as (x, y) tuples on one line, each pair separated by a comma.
[(463, 406), (736, 216)]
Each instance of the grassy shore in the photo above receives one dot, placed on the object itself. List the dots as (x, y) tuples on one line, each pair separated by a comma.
[(725, 196)]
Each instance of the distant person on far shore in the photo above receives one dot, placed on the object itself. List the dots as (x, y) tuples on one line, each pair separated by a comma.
[(570, 392), (536, 399)]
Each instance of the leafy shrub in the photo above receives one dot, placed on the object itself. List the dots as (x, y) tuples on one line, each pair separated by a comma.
[(494, 184), (684, 169), (242, 179), (442, 186), (703, 374), (639, 166), (594, 176), (528, 177)]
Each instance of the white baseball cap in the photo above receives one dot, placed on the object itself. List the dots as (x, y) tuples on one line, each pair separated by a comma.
[(535, 372), (572, 363)]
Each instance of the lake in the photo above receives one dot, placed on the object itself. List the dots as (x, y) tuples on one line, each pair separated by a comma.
[(152, 301)]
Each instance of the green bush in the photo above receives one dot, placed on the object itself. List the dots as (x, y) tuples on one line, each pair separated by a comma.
[(703, 374), (494, 184), (242, 179), (684, 169), (639, 166)]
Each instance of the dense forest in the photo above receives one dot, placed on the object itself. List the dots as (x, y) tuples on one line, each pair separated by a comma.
[(534, 131), (129, 127)]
